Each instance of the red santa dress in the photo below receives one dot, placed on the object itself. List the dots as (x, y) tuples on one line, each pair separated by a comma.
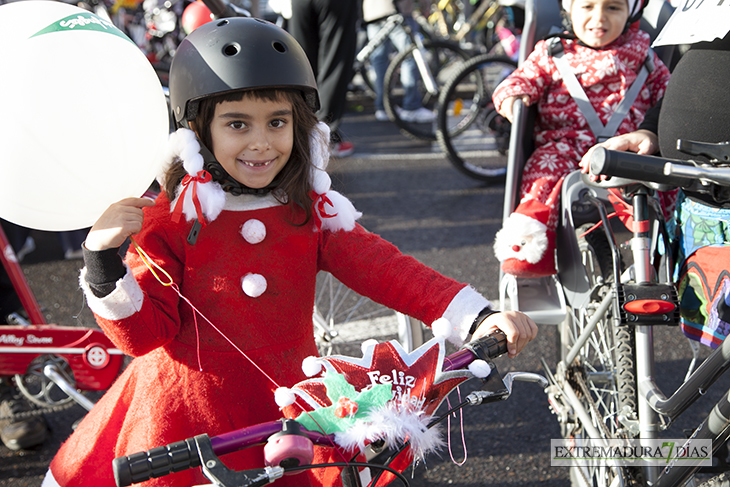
[(562, 134), (252, 274)]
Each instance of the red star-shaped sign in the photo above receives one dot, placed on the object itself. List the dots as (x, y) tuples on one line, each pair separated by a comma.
[(417, 379)]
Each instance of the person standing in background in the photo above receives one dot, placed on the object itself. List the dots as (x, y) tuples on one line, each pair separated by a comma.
[(375, 13), (327, 30)]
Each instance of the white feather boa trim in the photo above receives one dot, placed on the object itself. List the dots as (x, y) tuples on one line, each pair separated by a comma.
[(393, 425), (333, 210)]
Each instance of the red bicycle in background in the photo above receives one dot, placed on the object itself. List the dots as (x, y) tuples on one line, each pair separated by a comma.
[(52, 365)]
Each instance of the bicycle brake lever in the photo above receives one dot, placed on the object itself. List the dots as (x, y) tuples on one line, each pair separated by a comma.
[(493, 389), (215, 471)]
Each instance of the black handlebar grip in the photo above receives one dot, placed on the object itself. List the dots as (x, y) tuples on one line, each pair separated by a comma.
[(156, 462), (634, 166), (490, 346)]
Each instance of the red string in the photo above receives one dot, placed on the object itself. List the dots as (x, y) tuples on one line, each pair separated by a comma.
[(202, 177)]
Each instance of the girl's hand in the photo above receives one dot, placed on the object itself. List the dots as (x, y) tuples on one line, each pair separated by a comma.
[(518, 327), (506, 108), (119, 221), (643, 142)]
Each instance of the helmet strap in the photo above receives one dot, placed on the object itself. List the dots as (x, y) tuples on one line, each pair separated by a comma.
[(229, 184)]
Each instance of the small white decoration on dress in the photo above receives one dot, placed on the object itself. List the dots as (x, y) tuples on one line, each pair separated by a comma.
[(253, 231), (254, 285)]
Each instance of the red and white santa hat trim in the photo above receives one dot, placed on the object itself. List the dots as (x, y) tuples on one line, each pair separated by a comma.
[(332, 210)]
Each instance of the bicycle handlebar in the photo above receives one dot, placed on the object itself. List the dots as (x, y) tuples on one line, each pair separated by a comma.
[(185, 454), (631, 168)]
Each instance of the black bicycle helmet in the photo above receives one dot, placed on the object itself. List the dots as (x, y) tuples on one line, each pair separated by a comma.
[(237, 53)]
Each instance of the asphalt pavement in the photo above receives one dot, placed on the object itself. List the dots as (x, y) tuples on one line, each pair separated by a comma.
[(412, 196)]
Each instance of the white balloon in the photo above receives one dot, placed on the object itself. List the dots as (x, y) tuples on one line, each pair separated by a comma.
[(84, 119)]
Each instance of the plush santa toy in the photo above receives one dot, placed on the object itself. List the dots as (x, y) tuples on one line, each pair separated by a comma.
[(525, 245)]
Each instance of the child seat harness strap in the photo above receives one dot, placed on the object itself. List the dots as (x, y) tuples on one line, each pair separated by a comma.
[(601, 132)]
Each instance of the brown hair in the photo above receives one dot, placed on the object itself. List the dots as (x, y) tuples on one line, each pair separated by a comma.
[(294, 178)]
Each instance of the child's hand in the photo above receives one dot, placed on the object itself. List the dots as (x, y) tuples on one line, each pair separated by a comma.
[(518, 327), (642, 142), (506, 108), (119, 221)]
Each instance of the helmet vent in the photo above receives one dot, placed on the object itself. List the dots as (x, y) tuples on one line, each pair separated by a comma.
[(231, 49), (279, 46)]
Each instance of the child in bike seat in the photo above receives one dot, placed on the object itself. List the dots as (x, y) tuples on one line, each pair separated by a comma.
[(245, 220), (595, 80)]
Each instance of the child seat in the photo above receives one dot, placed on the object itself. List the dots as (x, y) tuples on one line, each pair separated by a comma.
[(544, 299)]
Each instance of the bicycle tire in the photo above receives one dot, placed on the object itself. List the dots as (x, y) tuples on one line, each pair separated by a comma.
[(443, 58), (603, 373), (344, 319), (475, 143)]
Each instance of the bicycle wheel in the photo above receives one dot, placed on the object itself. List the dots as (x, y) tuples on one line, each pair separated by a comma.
[(474, 137), (344, 319), (442, 58), (602, 374)]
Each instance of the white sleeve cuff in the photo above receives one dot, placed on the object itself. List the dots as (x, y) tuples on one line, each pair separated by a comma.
[(123, 302), (461, 313)]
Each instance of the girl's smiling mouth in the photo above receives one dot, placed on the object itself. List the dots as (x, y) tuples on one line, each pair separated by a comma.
[(257, 163)]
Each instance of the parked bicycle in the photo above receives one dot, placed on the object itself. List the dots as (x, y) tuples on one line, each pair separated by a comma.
[(471, 133), (289, 443), (423, 68), (602, 386), (494, 26)]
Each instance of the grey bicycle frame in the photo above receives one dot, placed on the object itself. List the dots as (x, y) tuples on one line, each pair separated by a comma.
[(652, 401), (391, 23)]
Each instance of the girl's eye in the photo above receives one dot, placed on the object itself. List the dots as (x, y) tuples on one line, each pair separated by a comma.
[(278, 123), (237, 125)]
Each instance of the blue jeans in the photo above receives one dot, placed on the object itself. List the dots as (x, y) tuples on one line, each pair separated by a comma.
[(379, 59)]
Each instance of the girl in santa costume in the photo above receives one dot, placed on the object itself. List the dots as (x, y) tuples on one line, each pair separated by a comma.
[(245, 221), (590, 83)]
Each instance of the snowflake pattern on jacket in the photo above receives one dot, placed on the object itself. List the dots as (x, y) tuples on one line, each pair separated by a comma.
[(562, 134)]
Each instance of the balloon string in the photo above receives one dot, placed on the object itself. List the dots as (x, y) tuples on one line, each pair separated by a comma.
[(448, 428), (170, 283), (151, 264)]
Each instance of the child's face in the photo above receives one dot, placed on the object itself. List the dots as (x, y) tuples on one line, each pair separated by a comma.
[(252, 139), (599, 22)]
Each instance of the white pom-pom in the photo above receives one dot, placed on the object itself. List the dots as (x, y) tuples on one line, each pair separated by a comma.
[(480, 369), (442, 328), (254, 285), (311, 366), (367, 344), (321, 181), (284, 397), (253, 231)]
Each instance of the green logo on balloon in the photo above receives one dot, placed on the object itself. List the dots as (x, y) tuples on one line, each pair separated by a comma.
[(84, 21)]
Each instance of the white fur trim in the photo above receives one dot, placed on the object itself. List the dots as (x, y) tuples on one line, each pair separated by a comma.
[(184, 144), (345, 213), (394, 425), (462, 311), (528, 234), (283, 396), (319, 141), (125, 300), (480, 369)]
